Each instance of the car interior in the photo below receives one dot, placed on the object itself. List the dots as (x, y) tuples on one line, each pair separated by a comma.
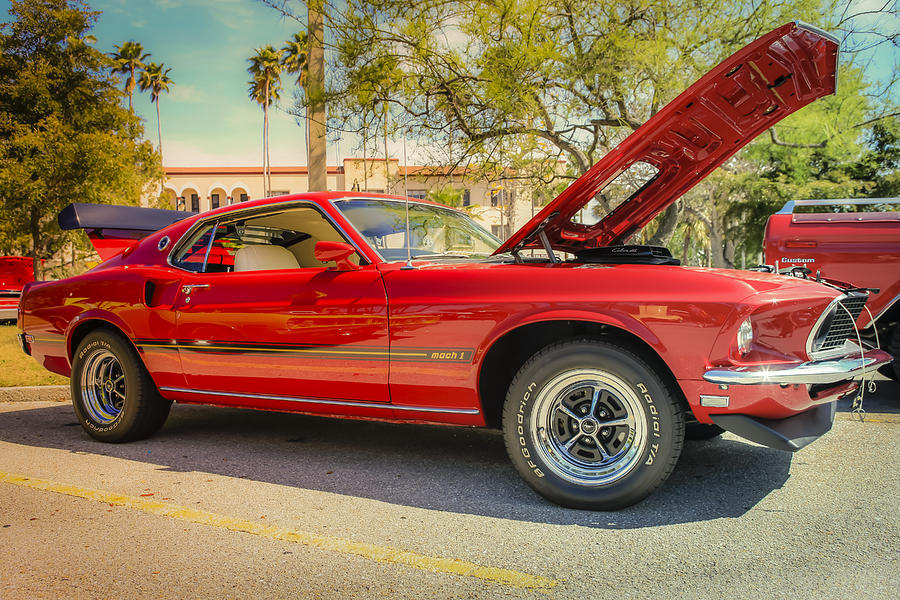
[(285, 239)]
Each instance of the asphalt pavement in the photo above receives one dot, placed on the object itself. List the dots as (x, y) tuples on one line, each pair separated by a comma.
[(227, 503)]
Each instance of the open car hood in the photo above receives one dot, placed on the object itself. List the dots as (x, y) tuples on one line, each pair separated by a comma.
[(15, 272), (728, 107)]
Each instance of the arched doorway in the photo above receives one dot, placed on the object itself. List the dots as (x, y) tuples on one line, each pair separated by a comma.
[(189, 199), (239, 193), (217, 197)]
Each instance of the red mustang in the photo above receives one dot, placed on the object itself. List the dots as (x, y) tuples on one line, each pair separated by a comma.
[(592, 358)]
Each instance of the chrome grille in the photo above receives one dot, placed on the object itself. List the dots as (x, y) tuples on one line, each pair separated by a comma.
[(840, 325)]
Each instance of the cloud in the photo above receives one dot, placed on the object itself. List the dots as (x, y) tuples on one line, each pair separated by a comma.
[(187, 93), (234, 14)]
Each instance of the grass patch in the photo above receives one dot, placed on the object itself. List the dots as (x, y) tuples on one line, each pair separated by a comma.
[(17, 368)]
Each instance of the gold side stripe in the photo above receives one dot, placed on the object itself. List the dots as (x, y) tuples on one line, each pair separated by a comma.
[(384, 554), (297, 350)]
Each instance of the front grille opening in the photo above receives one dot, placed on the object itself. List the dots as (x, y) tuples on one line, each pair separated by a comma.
[(837, 327)]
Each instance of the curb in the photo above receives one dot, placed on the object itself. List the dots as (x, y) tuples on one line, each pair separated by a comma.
[(35, 393)]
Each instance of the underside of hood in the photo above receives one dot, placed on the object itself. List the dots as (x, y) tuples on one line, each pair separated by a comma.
[(727, 108)]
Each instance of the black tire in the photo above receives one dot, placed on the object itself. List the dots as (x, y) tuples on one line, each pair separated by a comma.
[(702, 431), (554, 425), (114, 397)]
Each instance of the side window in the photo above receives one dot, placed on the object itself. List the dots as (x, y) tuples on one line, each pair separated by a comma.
[(284, 239), (192, 257)]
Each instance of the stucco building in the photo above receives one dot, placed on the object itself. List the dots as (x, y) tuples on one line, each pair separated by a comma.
[(500, 206)]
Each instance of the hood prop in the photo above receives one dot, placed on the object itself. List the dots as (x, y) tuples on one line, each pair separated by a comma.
[(542, 235)]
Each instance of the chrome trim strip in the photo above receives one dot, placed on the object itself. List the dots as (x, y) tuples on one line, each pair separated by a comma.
[(839, 201), (787, 209), (823, 371), (817, 31), (457, 411)]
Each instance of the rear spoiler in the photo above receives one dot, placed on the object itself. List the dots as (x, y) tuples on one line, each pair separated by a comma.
[(112, 228)]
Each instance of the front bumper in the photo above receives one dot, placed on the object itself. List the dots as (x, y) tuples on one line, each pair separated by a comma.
[(9, 314), (826, 372)]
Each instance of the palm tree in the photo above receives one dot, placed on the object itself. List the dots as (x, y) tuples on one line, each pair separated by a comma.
[(127, 60), (265, 84), (157, 80), (295, 60), (295, 57)]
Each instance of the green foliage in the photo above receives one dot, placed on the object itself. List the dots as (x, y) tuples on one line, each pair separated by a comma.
[(446, 195), (578, 75), (265, 75), (880, 161), (295, 57), (63, 135)]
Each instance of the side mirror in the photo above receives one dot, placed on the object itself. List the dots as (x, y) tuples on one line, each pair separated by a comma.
[(339, 252)]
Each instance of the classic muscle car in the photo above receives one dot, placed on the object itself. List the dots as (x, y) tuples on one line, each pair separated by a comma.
[(591, 357), (846, 240)]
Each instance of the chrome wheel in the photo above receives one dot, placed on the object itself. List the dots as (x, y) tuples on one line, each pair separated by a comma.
[(102, 386), (588, 426)]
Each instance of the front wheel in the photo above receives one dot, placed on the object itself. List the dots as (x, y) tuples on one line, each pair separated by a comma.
[(112, 393), (589, 425)]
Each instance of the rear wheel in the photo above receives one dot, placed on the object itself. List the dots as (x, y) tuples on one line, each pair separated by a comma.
[(113, 395), (589, 425)]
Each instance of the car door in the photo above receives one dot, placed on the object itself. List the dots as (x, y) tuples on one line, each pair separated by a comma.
[(254, 332)]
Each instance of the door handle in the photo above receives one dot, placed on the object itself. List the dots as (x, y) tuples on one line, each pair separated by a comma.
[(187, 289)]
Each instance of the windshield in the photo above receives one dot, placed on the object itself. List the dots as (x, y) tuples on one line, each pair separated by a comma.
[(434, 231)]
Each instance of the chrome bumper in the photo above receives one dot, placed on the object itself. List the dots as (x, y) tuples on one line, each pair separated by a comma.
[(820, 371)]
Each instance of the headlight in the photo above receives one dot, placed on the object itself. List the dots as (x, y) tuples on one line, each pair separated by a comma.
[(745, 337)]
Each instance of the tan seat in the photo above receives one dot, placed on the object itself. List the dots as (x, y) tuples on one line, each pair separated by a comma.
[(264, 258)]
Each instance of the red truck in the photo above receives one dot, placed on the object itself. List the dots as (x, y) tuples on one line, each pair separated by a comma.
[(15, 272), (853, 241)]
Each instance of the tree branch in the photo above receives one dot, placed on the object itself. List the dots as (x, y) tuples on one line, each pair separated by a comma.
[(778, 142)]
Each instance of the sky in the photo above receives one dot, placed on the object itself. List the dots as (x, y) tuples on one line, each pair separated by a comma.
[(207, 118)]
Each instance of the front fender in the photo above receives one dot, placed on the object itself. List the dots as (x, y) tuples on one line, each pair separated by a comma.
[(612, 318)]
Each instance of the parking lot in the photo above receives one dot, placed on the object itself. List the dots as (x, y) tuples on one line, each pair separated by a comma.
[(234, 503)]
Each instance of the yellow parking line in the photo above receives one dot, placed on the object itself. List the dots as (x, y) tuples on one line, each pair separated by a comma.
[(374, 552), (871, 417)]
